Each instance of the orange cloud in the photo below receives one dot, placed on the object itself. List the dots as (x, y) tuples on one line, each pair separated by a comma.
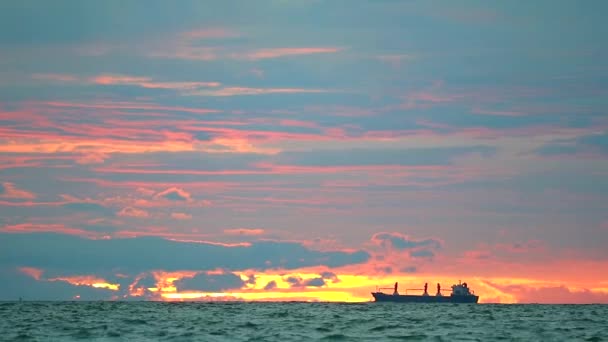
[(301, 285), (165, 280), (87, 280), (354, 284), (33, 272)]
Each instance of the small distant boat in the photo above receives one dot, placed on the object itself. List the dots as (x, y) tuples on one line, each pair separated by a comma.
[(461, 293)]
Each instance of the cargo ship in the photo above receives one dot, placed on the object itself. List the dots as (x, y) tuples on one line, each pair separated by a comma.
[(461, 293)]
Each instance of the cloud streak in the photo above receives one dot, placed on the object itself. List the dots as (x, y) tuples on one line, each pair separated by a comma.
[(285, 52), (8, 190)]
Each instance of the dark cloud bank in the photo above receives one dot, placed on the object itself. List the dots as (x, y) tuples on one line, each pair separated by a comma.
[(64, 255)]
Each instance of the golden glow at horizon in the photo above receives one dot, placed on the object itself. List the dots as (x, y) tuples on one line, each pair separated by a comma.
[(348, 287), (317, 295)]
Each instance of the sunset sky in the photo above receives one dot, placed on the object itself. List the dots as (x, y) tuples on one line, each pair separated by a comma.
[(303, 149)]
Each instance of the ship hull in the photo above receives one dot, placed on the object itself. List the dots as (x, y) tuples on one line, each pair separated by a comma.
[(383, 297)]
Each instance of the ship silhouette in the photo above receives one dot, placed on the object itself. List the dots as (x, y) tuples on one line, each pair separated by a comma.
[(461, 293)]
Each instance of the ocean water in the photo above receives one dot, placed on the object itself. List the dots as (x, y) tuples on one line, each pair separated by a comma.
[(156, 321)]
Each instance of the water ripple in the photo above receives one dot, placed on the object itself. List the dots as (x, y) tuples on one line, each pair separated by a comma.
[(68, 321)]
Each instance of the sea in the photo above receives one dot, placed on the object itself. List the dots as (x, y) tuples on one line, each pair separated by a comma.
[(255, 321)]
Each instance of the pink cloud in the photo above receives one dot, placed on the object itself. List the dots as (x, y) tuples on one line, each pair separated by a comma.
[(10, 191), (273, 201), (147, 82), (477, 255), (33, 272), (181, 216), (174, 194), (244, 231), (132, 212), (478, 98), (506, 250), (116, 79), (235, 91), (47, 228), (188, 45), (298, 123), (271, 169), (347, 111), (424, 99), (92, 158), (152, 187), (145, 191), (144, 106), (561, 294), (187, 52), (283, 52)]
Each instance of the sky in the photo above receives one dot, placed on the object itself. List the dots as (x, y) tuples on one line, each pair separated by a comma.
[(303, 149)]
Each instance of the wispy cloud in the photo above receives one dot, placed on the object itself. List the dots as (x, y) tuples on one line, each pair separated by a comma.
[(133, 212), (10, 191), (87, 280), (142, 106), (48, 228), (181, 216), (147, 82), (244, 231), (284, 52), (189, 88), (126, 80), (174, 194), (201, 45), (33, 272), (238, 91)]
